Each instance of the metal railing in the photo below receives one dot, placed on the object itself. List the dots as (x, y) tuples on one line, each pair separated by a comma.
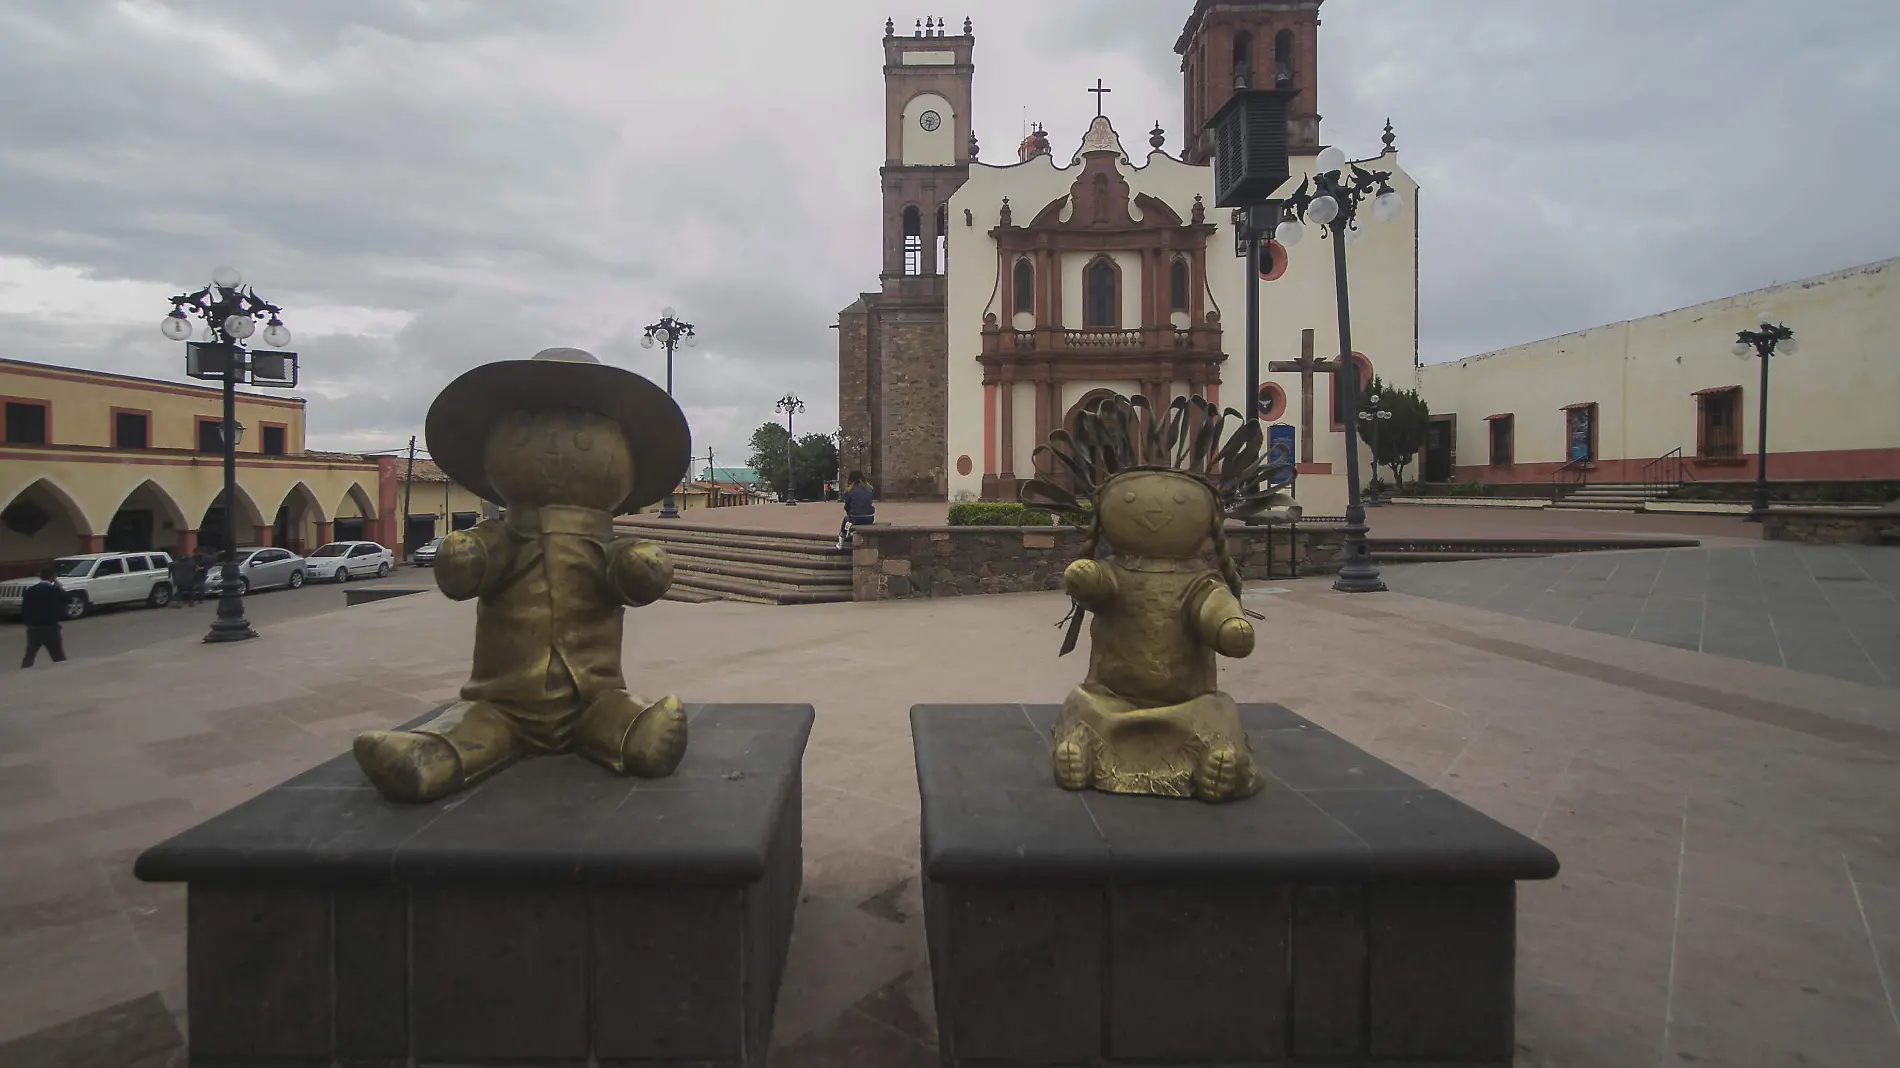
[(1569, 478), (1665, 473)]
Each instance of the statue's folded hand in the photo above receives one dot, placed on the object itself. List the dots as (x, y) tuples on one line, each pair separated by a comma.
[(461, 563), (639, 572)]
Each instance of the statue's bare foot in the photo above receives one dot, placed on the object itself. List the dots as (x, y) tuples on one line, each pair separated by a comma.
[(1074, 763), (657, 742), (1223, 774), (409, 767)]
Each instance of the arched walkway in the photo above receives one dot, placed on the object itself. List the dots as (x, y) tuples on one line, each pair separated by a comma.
[(147, 518), (212, 526), (355, 515), (39, 522), (300, 524)]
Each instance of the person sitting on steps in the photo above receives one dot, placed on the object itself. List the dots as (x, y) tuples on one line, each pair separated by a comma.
[(860, 509)]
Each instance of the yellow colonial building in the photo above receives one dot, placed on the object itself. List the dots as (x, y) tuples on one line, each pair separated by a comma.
[(91, 461)]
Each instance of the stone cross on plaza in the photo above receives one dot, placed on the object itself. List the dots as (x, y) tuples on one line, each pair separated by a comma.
[(1307, 366), (1098, 91)]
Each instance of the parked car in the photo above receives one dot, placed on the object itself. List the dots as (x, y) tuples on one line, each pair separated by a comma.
[(99, 579), (425, 556), (341, 561), (260, 569)]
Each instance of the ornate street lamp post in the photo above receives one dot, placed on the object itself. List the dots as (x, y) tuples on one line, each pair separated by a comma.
[(1763, 344), (1376, 416), (790, 405), (1331, 199), (230, 311), (669, 331)]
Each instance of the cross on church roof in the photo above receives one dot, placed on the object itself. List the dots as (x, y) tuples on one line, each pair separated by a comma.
[(1098, 91)]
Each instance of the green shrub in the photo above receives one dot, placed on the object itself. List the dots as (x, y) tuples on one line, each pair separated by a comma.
[(998, 514)]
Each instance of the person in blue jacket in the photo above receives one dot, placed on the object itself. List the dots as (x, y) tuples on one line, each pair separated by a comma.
[(860, 508)]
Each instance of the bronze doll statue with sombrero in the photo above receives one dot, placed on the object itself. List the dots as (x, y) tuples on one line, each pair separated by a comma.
[(1157, 487), (565, 443)]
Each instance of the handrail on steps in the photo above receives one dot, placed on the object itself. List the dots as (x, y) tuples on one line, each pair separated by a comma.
[(1568, 479), (1666, 472)]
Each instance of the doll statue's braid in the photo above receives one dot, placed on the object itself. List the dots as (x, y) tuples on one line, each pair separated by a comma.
[(1229, 571)]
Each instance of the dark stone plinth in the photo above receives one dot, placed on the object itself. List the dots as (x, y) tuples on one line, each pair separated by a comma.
[(372, 594), (555, 914), (1346, 914)]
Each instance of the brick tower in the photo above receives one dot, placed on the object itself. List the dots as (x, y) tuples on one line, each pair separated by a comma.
[(1271, 43), (892, 361)]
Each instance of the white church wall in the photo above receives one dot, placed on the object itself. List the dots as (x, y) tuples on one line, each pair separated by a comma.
[(1381, 263), (1830, 402), (1022, 430), (972, 286), (929, 148), (1381, 267)]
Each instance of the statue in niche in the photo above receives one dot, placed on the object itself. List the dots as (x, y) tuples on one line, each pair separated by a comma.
[(1157, 487)]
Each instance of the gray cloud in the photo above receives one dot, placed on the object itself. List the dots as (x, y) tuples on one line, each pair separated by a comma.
[(486, 178)]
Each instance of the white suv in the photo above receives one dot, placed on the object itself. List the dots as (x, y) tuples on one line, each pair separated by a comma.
[(341, 561), (99, 579)]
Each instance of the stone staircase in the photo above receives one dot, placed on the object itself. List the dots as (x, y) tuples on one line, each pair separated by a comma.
[(714, 564), (1609, 497)]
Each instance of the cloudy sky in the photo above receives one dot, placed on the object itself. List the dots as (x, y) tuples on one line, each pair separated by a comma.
[(426, 185)]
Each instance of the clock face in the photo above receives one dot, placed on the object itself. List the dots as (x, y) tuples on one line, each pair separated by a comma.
[(930, 120)]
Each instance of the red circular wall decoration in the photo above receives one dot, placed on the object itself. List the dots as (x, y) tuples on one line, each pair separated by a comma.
[(1272, 402), (1275, 256), (963, 464)]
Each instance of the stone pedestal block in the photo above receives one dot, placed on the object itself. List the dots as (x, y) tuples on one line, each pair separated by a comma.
[(1346, 914), (553, 915)]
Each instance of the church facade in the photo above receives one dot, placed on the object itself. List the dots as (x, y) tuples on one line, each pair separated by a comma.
[(1015, 294)]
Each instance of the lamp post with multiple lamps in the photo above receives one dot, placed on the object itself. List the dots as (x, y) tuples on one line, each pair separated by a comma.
[(1331, 200), (1376, 416), (1763, 344), (230, 310), (790, 405), (670, 331)]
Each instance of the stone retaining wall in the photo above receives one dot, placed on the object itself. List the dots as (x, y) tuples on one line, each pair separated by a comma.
[(893, 562), (1831, 526)]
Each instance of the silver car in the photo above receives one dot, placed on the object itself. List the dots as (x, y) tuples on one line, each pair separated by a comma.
[(260, 569)]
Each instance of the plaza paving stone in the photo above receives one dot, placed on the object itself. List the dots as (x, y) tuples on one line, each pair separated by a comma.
[(1821, 609), (1728, 828)]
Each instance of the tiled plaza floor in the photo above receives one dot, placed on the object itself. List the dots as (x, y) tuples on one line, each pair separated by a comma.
[(1822, 609), (1730, 831)]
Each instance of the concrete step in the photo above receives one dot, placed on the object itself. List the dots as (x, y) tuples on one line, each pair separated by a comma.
[(800, 577), (761, 592), (723, 535), (1588, 506), (696, 552), (687, 595), (1406, 557)]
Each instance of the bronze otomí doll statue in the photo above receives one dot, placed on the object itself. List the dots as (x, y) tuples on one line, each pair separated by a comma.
[(565, 443), (1157, 488)]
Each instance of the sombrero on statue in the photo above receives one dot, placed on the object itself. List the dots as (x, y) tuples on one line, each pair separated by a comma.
[(656, 431)]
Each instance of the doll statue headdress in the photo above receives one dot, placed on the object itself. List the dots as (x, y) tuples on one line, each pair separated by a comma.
[(1157, 487)]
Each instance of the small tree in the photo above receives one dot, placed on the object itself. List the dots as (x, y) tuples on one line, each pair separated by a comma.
[(816, 461), (1400, 437), (768, 455)]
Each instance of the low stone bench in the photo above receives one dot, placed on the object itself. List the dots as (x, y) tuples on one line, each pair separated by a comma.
[(554, 914), (1346, 914)]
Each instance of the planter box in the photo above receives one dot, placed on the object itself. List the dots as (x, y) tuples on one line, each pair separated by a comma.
[(554, 914), (1347, 913)]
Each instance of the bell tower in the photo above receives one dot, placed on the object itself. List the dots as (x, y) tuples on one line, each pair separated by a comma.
[(893, 362), (927, 148), (1261, 44)]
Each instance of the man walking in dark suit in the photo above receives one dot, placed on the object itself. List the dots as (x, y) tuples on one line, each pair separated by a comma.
[(42, 608)]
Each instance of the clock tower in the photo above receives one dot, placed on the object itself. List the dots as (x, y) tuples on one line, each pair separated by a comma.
[(893, 384)]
